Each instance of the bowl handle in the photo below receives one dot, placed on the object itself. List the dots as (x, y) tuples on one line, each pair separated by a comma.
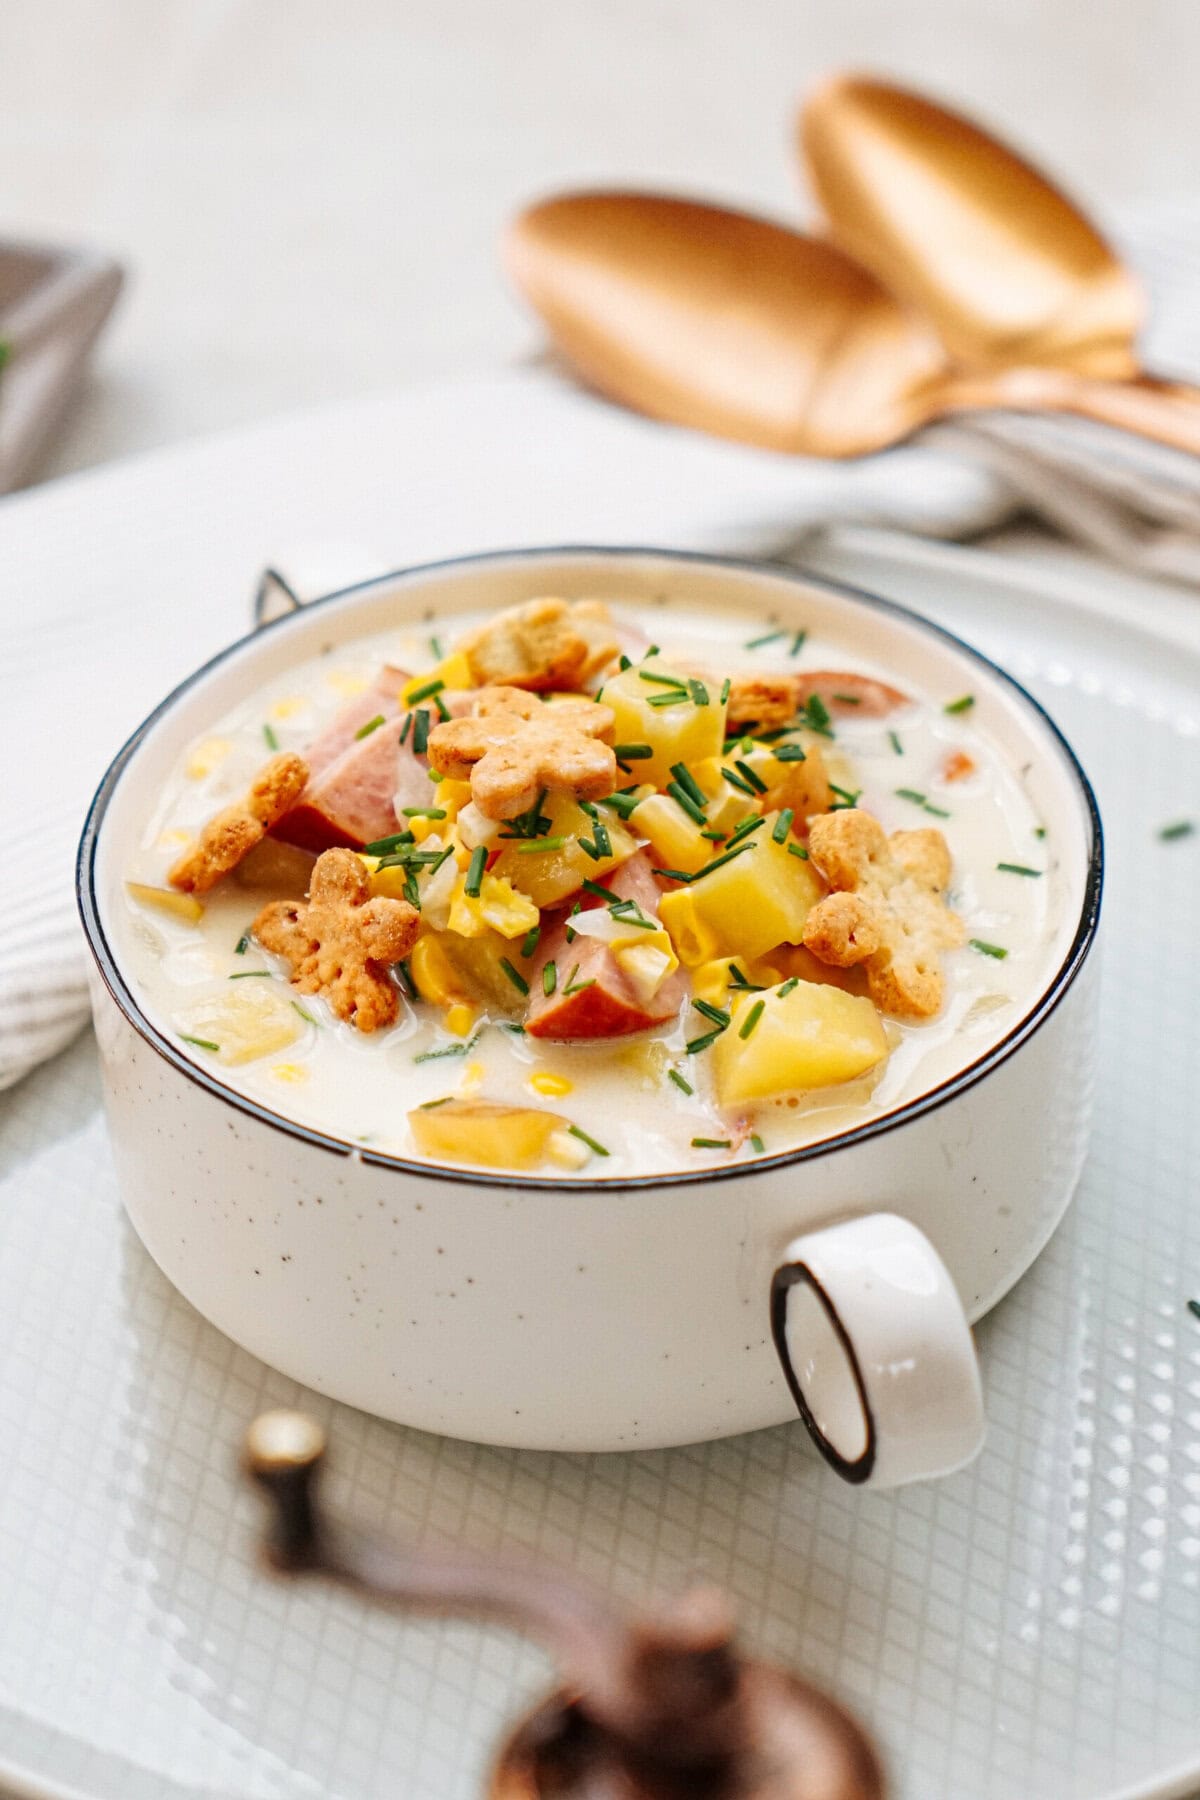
[(877, 1351), (311, 572)]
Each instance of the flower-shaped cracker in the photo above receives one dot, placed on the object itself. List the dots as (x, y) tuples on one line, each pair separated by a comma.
[(513, 747), (231, 833), (887, 909), (339, 941), (542, 644)]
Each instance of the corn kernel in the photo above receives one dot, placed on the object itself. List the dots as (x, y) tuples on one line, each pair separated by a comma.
[(552, 1085), (287, 709), (205, 757), (173, 840), (167, 900), (454, 671), (433, 972), (290, 1072), (346, 683), (459, 1019), (389, 882), (472, 1078)]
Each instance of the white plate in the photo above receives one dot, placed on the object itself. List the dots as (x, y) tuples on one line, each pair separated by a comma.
[(1029, 1629)]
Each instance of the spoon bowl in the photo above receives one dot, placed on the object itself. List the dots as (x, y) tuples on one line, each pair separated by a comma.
[(963, 229)]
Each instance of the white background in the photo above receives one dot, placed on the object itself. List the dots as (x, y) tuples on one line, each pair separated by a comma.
[(308, 193)]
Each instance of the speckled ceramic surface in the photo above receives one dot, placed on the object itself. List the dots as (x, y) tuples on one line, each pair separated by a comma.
[(1027, 1629)]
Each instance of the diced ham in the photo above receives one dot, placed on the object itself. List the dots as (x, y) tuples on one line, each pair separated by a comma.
[(383, 696), (353, 801), (609, 1006), (847, 695)]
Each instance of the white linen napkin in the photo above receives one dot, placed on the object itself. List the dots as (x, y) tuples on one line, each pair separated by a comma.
[(115, 583)]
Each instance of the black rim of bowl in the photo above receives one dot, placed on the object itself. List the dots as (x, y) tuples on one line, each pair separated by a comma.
[(1050, 997)]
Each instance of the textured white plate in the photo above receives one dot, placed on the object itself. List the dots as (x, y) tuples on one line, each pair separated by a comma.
[(1028, 1629)]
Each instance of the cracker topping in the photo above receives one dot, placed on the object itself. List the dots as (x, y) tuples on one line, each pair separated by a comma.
[(513, 747), (339, 941), (232, 833), (543, 644), (887, 909)]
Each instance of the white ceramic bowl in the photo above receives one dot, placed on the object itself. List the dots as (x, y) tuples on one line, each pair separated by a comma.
[(837, 1280)]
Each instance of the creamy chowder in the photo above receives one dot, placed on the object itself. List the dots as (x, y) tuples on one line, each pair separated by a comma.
[(622, 978)]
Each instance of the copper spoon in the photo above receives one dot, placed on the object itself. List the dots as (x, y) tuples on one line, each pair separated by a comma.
[(962, 229), (739, 327)]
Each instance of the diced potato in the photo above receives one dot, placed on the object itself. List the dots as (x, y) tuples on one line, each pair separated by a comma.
[(711, 981), (276, 865), (812, 1036), (676, 840), (497, 907), (548, 876), (726, 805), (745, 908), (682, 732), (802, 785), (449, 969), (646, 963), (566, 1151), (251, 1019), (485, 1132), (167, 900)]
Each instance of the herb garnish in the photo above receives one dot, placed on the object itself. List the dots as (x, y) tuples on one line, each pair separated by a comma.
[(698, 691), (695, 1045), (632, 752), (681, 1081), (250, 975), (1180, 829), (1193, 1307), (423, 812), (385, 846), (752, 1018), (798, 850), (272, 744), (714, 1014), (529, 942), (515, 976), (370, 726), (815, 714), (305, 1014), (683, 799), (738, 980), (420, 731), (538, 846), (792, 982), (960, 706), (797, 643), (737, 780), (790, 753), (750, 775), (474, 882), (726, 689), (687, 780), (460, 1049), (770, 637), (711, 1144), (986, 949), (846, 798), (783, 824), (1020, 869), (757, 1142), (720, 861), (426, 691), (200, 1043), (581, 1134), (549, 978), (240, 948), (897, 746)]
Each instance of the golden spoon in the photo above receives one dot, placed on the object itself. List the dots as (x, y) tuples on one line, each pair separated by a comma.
[(739, 327), (955, 224)]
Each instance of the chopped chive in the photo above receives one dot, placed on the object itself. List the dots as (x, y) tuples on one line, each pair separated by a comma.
[(442, 709), (672, 874), (515, 976), (936, 812), (960, 706), (847, 798), (581, 1134), (598, 888), (695, 1045), (1193, 1307), (538, 846), (529, 942), (714, 1014), (726, 689), (816, 715), (716, 837), (428, 1105), (681, 1081), (442, 856), (738, 980), (406, 727), (910, 794), (407, 982), (770, 637), (240, 948), (272, 744), (720, 861), (420, 731), (652, 651), (632, 752), (746, 829), (459, 1049), (737, 781), (748, 774), (571, 976), (798, 850), (698, 691), (602, 839), (549, 978), (1169, 833), (251, 975), (752, 1018), (686, 779), (1039, 831), (711, 1144), (579, 987), (671, 681), (1020, 869), (684, 800), (572, 935), (849, 699), (435, 645), (793, 981), (622, 804), (385, 845), (423, 812), (426, 691), (986, 949), (474, 882), (797, 643), (624, 664), (894, 741), (370, 726), (757, 1142), (200, 1043), (783, 825), (305, 1014), (672, 697), (790, 753)]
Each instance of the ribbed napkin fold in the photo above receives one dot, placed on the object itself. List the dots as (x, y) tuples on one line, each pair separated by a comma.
[(520, 458)]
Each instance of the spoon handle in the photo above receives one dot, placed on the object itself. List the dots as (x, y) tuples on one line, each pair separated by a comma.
[(1166, 412)]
